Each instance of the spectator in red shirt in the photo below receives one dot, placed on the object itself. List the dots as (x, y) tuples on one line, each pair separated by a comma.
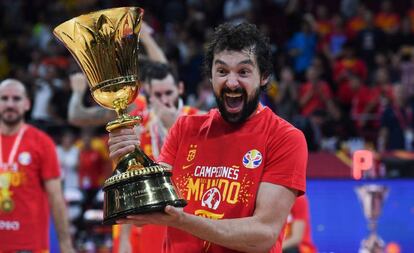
[(93, 167), (382, 91), (315, 94), (322, 21), (387, 19), (381, 95), (361, 98), (346, 66), (355, 24)]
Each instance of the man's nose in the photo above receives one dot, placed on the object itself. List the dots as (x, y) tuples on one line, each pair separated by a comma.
[(9, 102), (164, 100), (232, 81)]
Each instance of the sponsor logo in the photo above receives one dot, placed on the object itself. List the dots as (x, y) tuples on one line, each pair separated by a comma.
[(252, 159), (187, 166), (24, 158), (10, 225)]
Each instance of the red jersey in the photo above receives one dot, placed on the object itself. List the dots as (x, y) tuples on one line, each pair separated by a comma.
[(300, 211), (316, 101), (355, 66), (152, 137), (387, 21), (382, 95), (354, 25), (93, 169), (24, 212), (218, 168), (323, 27), (360, 100)]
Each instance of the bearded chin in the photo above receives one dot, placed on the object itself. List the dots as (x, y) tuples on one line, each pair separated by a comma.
[(248, 108), (11, 122)]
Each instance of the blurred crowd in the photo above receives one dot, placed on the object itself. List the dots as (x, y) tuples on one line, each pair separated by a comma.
[(343, 70)]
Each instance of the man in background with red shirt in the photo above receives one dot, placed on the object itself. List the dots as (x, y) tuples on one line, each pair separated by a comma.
[(298, 237), (30, 181)]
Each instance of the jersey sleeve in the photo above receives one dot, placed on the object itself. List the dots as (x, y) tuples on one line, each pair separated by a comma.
[(170, 146), (286, 160), (48, 158)]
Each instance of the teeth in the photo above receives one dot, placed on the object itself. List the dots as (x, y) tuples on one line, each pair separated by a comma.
[(233, 95)]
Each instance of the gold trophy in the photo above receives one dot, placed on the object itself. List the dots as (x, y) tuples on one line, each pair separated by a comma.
[(105, 45), (372, 197)]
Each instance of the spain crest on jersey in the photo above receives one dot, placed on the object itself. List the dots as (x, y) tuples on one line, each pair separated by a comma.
[(252, 159)]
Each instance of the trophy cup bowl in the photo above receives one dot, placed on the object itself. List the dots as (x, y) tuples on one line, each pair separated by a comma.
[(105, 45), (372, 197)]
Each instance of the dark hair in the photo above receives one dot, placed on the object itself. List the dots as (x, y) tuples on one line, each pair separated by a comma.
[(156, 70), (236, 38)]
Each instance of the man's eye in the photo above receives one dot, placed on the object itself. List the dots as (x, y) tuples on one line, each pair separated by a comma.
[(168, 93), (244, 72), (221, 71)]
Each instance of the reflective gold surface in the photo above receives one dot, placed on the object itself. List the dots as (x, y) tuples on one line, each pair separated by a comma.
[(105, 45)]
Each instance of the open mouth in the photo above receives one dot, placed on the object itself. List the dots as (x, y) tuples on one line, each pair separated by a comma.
[(233, 102)]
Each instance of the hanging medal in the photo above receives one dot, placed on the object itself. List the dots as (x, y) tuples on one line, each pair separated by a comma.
[(6, 170)]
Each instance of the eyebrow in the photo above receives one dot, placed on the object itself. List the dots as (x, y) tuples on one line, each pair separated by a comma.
[(248, 61)]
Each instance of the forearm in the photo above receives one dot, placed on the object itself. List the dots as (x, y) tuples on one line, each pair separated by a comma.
[(80, 115), (298, 230), (61, 222), (124, 243), (125, 231), (154, 52), (244, 234)]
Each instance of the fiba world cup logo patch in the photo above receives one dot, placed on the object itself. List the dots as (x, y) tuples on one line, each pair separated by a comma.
[(252, 159)]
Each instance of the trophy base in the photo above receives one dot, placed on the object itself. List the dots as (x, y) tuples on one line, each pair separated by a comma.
[(142, 210), (138, 192)]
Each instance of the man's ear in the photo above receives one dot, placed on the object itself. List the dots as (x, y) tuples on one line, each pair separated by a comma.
[(27, 104), (181, 88), (146, 89), (264, 80)]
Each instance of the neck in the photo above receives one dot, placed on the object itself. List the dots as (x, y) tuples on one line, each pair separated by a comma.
[(10, 129)]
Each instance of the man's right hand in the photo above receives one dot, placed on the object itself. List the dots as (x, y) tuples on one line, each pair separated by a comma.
[(78, 82), (121, 142)]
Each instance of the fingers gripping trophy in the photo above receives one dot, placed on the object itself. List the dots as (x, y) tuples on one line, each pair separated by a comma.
[(105, 45)]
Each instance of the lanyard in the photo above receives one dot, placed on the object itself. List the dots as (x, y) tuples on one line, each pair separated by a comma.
[(15, 146)]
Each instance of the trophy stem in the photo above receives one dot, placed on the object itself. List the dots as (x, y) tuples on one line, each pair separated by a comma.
[(372, 226), (123, 120)]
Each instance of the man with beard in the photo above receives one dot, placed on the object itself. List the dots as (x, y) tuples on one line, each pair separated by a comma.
[(240, 168), (29, 179)]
